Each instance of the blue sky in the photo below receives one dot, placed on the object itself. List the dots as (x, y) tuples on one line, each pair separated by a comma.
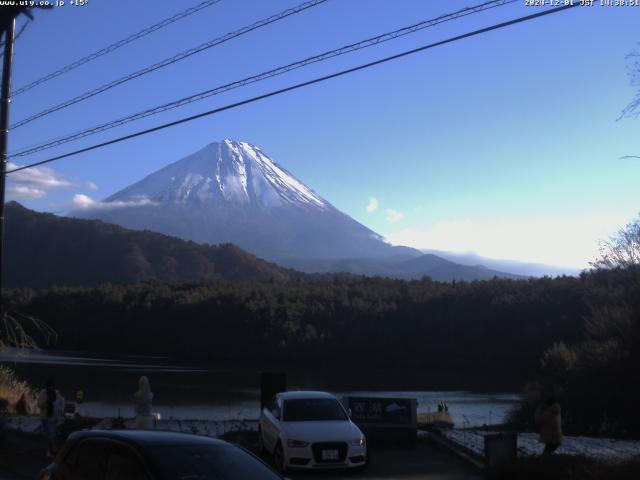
[(505, 144)]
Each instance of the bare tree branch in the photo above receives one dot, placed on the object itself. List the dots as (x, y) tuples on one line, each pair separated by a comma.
[(622, 250), (20, 331), (633, 71)]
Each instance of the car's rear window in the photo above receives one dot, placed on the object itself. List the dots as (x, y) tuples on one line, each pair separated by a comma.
[(312, 409), (209, 462)]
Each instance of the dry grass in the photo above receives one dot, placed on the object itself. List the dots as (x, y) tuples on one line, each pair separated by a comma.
[(12, 389)]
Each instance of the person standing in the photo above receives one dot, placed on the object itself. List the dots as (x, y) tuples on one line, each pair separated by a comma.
[(142, 400), (549, 418), (51, 406)]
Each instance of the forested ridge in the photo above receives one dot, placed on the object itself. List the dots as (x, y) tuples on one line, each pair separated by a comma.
[(501, 325), (44, 250)]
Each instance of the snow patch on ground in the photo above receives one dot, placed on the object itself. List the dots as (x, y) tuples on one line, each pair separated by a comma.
[(528, 445), (472, 439)]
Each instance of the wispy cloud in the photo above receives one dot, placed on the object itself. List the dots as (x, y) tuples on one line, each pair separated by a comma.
[(34, 183), (571, 241), (39, 177), (393, 216), (373, 204), (85, 202), (24, 192)]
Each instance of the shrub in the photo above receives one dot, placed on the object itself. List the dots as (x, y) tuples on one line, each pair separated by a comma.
[(16, 395)]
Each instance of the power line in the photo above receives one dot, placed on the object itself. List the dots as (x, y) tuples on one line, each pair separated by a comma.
[(114, 46), (259, 77), (22, 29), (171, 60), (297, 86)]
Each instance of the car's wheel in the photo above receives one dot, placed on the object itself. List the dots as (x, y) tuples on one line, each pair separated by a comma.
[(278, 458)]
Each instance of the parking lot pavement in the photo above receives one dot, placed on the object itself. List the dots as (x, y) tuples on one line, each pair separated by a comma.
[(422, 462)]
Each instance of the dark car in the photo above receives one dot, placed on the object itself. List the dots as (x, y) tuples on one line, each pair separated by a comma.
[(152, 455)]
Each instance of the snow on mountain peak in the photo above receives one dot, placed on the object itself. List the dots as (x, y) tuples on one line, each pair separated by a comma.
[(232, 192), (226, 172)]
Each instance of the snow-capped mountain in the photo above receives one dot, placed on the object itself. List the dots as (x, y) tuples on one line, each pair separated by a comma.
[(233, 192), (228, 173)]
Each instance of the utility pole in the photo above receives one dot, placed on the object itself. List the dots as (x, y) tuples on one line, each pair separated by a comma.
[(5, 102)]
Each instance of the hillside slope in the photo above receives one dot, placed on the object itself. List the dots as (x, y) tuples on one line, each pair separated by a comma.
[(42, 250)]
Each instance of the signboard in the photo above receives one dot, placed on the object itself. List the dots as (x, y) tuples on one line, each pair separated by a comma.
[(380, 411), (385, 419)]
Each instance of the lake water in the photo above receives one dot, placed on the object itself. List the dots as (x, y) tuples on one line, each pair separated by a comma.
[(198, 392)]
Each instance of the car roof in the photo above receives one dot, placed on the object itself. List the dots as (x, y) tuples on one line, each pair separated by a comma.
[(147, 437), (305, 394)]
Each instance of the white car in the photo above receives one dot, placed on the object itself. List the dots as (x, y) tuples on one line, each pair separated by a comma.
[(310, 430)]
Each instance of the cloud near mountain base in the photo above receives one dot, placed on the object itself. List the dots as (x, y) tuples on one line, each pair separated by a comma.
[(85, 202)]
